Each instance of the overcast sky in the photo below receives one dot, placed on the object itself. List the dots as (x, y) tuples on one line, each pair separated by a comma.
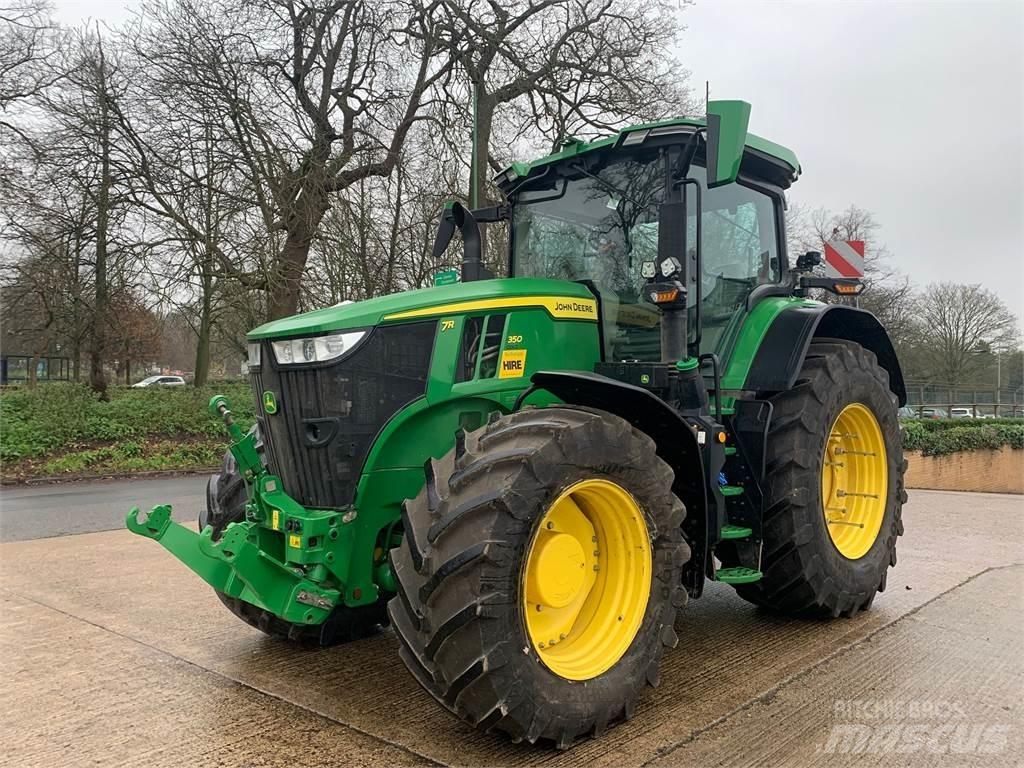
[(912, 110)]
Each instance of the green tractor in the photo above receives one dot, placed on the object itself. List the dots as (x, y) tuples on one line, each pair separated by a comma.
[(527, 477)]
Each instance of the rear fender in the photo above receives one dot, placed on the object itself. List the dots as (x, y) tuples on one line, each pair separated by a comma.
[(782, 351)]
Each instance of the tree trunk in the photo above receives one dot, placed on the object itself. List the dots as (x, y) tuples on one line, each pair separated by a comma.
[(97, 377), (478, 171), (31, 378), (396, 223), (286, 286), (202, 367)]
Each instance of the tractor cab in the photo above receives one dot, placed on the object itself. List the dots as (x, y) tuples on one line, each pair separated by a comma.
[(621, 215), (595, 218)]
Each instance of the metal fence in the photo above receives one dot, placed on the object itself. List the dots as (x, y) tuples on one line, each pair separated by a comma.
[(979, 400)]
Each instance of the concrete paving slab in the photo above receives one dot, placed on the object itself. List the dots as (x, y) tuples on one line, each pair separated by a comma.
[(77, 694), (941, 687), (729, 654)]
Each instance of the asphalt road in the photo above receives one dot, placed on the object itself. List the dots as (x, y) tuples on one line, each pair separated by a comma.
[(42, 511), (112, 653)]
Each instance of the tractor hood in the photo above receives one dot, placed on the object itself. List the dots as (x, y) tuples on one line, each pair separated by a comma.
[(561, 298)]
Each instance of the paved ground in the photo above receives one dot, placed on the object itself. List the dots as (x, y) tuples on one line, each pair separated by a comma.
[(39, 511), (112, 653)]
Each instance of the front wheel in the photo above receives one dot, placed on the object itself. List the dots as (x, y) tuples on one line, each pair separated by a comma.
[(540, 574), (834, 492)]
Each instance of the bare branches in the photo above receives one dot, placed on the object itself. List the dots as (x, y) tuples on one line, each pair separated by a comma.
[(28, 44), (561, 67)]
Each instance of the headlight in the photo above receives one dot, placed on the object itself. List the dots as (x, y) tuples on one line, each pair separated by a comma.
[(317, 349), (254, 355)]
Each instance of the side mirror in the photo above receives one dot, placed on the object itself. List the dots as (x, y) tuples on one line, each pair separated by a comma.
[(456, 216), (671, 243), (726, 138)]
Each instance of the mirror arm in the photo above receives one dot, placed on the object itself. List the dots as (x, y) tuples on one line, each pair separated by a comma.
[(698, 328)]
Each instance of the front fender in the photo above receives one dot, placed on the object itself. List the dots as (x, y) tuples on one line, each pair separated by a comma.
[(675, 440)]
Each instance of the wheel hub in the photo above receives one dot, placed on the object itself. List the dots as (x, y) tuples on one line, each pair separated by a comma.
[(558, 573), (854, 481), (587, 579)]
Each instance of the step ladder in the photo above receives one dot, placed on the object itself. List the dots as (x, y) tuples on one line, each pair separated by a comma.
[(737, 574)]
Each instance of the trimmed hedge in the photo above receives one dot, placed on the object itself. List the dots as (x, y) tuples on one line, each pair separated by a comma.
[(64, 428), (937, 437)]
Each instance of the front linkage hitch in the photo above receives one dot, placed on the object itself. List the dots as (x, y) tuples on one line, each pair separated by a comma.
[(284, 558)]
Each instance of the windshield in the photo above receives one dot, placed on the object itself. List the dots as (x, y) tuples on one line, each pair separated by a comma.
[(602, 225)]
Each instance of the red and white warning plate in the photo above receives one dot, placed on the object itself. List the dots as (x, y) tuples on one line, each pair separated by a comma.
[(844, 258)]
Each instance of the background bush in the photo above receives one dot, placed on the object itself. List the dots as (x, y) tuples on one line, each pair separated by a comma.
[(63, 427), (936, 437)]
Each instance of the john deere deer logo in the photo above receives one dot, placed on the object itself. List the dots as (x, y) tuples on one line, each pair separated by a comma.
[(269, 402)]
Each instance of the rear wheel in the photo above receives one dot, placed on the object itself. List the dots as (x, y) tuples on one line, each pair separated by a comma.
[(225, 503), (540, 574), (834, 488)]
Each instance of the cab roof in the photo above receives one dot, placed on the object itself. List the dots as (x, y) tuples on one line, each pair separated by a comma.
[(762, 158)]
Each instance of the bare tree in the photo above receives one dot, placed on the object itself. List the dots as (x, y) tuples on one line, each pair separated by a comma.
[(82, 133), (960, 323), (310, 99)]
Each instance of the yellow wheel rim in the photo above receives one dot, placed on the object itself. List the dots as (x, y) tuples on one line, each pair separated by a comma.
[(587, 579), (854, 481)]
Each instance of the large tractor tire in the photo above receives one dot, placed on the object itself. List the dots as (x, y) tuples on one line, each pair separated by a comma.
[(540, 574), (225, 503), (834, 488)]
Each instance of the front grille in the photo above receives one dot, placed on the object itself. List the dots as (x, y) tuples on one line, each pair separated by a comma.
[(329, 413)]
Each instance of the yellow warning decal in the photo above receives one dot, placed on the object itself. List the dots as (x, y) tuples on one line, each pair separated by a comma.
[(275, 520), (295, 541), (562, 307), (512, 364)]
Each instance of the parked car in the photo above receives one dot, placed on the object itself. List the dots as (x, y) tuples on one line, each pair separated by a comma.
[(961, 413), (934, 413), (907, 412), (160, 381)]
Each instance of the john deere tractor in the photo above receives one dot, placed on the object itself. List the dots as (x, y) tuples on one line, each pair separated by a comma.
[(528, 476)]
